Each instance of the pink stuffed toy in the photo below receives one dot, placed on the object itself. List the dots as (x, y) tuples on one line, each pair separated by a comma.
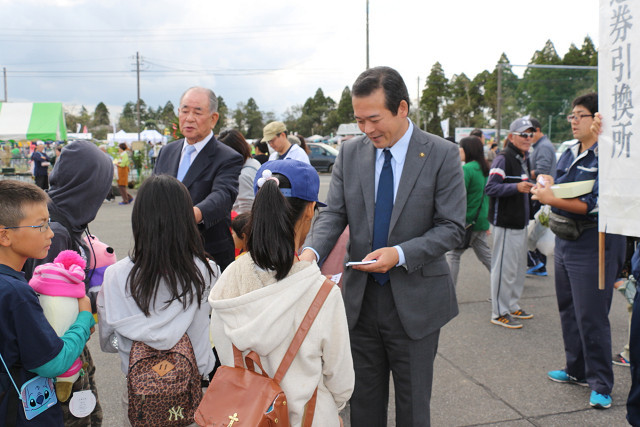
[(59, 285), (104, 257)]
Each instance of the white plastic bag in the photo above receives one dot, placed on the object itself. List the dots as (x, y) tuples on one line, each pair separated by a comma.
[(541, 236)]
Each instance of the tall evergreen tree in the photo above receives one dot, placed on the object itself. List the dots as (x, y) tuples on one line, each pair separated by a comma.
[(291, 117), (434, 96), (71, 121), (84, 117), (547, 92), (101, 115), (239, 118), (510, 92), (465, 105), (253, 118), (343, 113), (127, 121), (223, 112), (582, 80), (314, 114)]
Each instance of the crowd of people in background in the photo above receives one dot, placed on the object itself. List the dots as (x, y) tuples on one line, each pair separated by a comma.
[(225, 256)]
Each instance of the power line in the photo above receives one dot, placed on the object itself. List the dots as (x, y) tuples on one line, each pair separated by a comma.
[(68, 61), (155, 36), (88, 31)]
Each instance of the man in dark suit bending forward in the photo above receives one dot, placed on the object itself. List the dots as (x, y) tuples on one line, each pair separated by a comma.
[(401, 191)]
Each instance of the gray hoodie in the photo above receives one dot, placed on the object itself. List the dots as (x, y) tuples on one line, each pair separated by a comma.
[(80, 181)]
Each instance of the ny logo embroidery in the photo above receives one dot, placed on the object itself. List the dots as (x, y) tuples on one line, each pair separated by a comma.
[(174, 413)]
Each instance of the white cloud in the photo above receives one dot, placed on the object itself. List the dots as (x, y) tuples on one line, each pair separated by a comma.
[(309, 44)]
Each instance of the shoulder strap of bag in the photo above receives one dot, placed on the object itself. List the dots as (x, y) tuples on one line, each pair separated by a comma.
[(303, 329), (12, 399), (314, 309), (253, 359)]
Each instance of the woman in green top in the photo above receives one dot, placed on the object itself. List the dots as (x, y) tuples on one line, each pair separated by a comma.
[(122, 162), (476, 171)]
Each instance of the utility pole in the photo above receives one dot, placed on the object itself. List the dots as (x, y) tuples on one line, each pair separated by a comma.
[(4, 72), (418, 107), (138, 103), (499, 105), (367, 34)]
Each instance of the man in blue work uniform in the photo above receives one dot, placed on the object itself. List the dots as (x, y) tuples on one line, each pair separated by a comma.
[(584, 309)]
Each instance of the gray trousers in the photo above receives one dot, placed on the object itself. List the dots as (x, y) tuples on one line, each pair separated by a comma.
[(480, 247), (379, 345), (508, 268)]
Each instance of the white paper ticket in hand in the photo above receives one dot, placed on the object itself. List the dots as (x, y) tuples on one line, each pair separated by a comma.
[(82, 403), (350, 263), (336, 278)]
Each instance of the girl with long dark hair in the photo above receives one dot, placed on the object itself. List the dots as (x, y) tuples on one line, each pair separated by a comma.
[(261, 299), (476, 171), (159, 292)]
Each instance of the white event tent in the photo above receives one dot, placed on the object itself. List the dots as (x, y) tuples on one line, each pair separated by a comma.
[(146, 136)]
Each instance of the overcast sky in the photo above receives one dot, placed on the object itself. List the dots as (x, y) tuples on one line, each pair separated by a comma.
[(278, 51)]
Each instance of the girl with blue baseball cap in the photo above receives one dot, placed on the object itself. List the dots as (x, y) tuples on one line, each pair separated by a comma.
[(260, 300)]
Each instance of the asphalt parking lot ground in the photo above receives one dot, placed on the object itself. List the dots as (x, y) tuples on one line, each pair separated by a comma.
[(485, 375)]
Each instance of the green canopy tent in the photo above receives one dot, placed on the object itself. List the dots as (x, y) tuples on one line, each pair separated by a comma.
[(32, 120)]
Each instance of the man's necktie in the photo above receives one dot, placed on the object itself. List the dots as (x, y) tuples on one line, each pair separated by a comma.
[(384, 206), (186, 162)]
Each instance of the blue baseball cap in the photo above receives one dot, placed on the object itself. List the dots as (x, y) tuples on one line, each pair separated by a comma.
[(305, 182)]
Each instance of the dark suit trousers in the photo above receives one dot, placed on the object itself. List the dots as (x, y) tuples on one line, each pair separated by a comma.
[(379, 344)]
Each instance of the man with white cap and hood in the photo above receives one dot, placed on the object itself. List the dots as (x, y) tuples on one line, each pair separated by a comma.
[(508, 188)]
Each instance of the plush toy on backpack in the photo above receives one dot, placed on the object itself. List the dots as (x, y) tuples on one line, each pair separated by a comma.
[(59, 285), (104, 257), (101, 256)]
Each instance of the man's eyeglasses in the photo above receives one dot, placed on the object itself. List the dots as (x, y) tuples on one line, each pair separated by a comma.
[(42, 228), (524, 134), (577, 117)]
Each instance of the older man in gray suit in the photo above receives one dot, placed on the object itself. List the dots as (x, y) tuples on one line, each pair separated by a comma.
[(401, 191)]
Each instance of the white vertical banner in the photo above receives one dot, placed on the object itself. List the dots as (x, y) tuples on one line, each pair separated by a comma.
[(619, 103), (445, 128)]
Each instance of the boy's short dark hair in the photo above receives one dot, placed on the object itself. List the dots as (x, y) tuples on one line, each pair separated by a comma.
[(588, 101), (13, 196)]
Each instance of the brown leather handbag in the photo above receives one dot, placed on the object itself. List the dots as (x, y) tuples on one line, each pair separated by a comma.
[(240, 395)]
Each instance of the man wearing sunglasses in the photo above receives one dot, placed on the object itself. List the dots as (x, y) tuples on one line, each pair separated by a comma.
[(508, 189)]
